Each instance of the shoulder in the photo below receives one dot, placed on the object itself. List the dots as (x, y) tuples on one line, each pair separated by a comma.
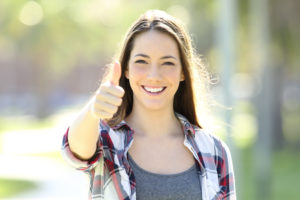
[(207, 141), (215, 149)]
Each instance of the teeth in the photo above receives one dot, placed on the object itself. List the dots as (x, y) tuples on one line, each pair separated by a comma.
[(150, 89)]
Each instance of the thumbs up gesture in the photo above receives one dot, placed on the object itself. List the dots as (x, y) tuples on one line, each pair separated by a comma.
[(109, 95)]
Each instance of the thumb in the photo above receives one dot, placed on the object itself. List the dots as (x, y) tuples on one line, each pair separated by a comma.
[(115, 73)]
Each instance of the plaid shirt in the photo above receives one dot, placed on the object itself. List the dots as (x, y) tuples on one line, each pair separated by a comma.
[(111, 176)]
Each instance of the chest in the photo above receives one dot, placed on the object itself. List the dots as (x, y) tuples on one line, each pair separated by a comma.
[(149, 186), (161, 156)]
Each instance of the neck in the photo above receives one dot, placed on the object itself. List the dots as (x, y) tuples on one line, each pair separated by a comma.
[(154, 123)]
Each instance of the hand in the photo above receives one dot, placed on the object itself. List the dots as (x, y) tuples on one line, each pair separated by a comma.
[(109, 95)]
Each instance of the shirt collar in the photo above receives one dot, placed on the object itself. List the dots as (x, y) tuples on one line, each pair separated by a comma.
[(120, 125), (188, 128), (186, 125)]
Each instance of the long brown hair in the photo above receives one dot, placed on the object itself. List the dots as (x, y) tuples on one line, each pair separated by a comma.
[(196, 76)]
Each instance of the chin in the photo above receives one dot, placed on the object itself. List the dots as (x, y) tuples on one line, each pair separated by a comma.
[(156, 106)]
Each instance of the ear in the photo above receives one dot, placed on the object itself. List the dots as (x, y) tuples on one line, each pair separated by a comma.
[(182, 78)]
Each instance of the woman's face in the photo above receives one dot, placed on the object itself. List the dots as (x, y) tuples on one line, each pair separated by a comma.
[(154, 70)]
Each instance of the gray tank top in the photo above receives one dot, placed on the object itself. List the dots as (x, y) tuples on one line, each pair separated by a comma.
[(151, 186)]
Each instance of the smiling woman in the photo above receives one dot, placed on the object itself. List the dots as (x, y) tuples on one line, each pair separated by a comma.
[(154, 72), (140, 136)]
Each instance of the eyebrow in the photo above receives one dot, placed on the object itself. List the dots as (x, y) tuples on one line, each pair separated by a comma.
[(166, 57), (146, 56), (142, 55)]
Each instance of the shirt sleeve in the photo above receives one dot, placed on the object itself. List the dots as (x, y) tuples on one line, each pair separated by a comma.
[(74, 161), (225, 173)]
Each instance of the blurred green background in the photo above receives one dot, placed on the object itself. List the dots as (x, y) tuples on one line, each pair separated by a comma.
[(52, 56)]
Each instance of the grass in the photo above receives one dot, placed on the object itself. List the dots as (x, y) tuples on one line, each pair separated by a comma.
[(10, 187)]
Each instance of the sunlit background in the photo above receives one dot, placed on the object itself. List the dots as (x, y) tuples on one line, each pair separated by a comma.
[(52, 55)]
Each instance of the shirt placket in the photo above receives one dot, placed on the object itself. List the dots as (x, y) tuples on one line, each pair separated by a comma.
[(202, 172)]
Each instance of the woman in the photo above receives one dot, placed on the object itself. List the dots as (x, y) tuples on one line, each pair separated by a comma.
[(139, 137)]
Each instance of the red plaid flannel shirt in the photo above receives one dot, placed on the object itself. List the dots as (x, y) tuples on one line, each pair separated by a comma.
[(111, 176)]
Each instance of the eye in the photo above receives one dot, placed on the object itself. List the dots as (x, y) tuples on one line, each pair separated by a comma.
[(141, 61), (168, 63)]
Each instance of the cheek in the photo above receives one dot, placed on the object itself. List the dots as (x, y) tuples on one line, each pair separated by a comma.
[(173, 74), (135, 72)]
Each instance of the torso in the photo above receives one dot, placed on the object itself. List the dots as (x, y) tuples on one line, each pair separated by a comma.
[(153, 186), (165, 155)]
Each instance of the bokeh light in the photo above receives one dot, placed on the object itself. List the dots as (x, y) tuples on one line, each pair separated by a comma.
[(31, 13)]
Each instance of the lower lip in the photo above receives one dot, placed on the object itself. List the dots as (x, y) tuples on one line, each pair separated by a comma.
[(154, 93)]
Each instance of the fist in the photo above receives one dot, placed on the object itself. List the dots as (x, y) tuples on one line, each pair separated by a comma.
[(109, 95)]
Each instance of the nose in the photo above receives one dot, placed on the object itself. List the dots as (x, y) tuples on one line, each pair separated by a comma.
[(154, 72)]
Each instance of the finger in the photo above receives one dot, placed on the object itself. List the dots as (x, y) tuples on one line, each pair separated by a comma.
[(112, 99), (115, 73), (114, 90), (101, 105), (101, 114)]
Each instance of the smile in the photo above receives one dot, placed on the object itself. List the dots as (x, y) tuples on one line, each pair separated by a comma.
[(154, 90)]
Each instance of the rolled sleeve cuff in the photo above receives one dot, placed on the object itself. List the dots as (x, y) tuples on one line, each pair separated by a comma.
[(74, 161)]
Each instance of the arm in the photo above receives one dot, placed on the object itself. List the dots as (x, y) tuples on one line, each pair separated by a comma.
[(84, 132)]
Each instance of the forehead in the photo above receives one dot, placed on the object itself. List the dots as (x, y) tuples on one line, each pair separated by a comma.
[(156, 43)]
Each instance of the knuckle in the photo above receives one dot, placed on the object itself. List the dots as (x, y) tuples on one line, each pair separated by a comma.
[(115, 109), (119, 101), (103, 114), (98, 105), (104, 87)]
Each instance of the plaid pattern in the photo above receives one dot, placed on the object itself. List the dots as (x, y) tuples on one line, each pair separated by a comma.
[(111, 176)]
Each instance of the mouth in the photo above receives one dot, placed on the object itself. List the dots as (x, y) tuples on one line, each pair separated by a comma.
[(153, 90)]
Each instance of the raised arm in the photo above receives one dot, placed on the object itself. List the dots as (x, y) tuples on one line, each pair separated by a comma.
[(84, 131)]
